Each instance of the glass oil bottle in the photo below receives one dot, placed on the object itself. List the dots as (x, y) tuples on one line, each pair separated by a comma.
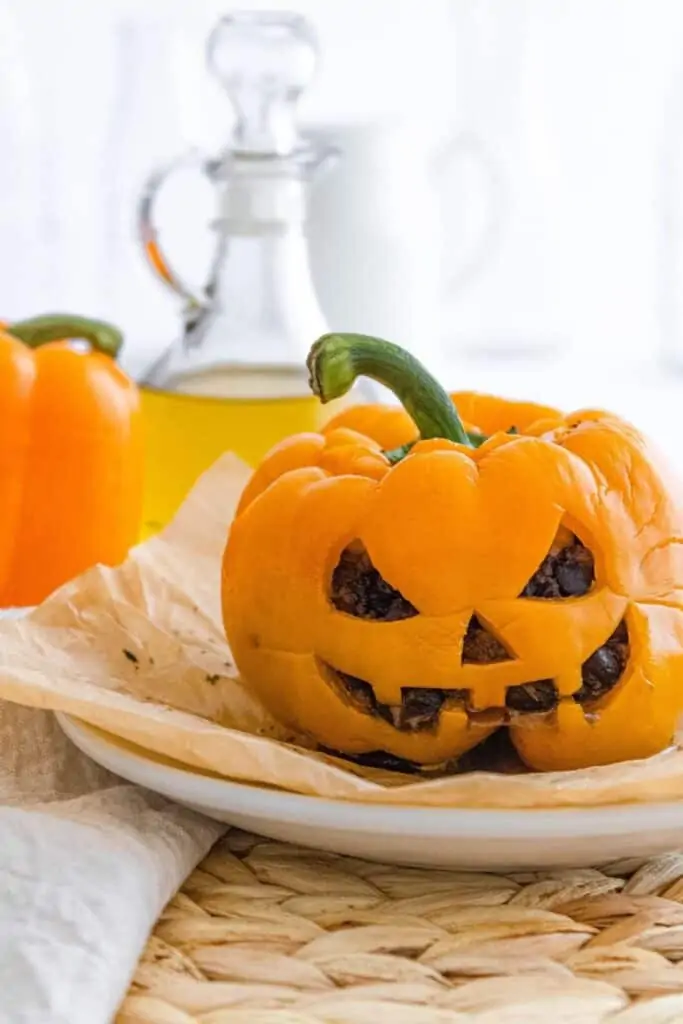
[(235, 379)]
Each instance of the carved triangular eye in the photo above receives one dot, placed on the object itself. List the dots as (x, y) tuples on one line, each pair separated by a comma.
[(359, 589), (567, 570), (481, 647)]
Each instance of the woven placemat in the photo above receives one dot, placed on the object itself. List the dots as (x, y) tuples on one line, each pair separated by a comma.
[(265, 933)]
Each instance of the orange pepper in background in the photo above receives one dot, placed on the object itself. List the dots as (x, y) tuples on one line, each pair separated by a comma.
[(71, 455)]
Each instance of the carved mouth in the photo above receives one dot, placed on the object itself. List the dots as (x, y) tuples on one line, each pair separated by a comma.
[(421, 707)]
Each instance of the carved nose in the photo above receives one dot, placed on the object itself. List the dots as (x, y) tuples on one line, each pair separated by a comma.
[(481, 646)]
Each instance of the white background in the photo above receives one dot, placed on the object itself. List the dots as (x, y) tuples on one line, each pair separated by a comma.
[(581, 101)]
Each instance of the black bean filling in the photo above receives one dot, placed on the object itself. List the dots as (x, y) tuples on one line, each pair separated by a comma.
[(567, 572), (603, 670), (419, 708), (480, 647), (359, 590)]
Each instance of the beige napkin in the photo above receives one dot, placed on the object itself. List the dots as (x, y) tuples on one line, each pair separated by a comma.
[(86, 866)]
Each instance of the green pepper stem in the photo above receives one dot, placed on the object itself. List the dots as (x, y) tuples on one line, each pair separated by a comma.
[(336, 360), (39, 330)]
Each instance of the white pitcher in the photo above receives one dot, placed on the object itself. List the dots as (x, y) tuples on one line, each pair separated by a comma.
[(383, 251)]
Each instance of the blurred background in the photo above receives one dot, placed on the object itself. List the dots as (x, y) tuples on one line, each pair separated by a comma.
[(508, 199)]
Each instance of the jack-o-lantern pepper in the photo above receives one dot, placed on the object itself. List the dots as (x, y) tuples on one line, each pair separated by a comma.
[(525, 572)]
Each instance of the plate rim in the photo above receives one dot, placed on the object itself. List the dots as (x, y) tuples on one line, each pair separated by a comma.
[(438, 822)]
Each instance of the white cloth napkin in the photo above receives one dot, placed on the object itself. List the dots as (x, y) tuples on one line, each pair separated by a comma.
[(87, 863)]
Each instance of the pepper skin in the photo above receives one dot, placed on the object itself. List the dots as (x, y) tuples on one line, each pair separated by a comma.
[(459, 531), (392, 427), (70, 455)]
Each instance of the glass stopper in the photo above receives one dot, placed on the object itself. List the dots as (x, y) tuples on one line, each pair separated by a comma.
[(264, 60)]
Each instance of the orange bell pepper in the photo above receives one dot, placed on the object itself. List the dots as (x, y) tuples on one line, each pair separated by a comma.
[(409, 604), (70, 455)]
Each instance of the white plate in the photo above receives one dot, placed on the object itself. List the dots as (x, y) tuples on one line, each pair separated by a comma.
[(432, 837)]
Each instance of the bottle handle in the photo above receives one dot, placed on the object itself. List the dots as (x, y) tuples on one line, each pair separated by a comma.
[(148, 234), (469, 143)]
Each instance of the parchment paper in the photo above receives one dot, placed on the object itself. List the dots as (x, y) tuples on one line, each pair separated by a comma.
[(139, 652)]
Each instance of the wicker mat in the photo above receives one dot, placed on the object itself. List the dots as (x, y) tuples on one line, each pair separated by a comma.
[(264, 933)]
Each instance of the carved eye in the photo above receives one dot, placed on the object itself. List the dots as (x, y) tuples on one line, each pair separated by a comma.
[(567, 570), (359, 589)]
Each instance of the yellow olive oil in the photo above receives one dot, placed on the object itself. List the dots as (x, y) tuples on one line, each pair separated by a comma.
[(188, 430)]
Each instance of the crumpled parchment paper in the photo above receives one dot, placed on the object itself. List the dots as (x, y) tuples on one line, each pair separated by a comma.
[(139, 651)]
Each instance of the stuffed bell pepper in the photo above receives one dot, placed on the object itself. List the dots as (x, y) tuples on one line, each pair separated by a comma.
[(414, 579)]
